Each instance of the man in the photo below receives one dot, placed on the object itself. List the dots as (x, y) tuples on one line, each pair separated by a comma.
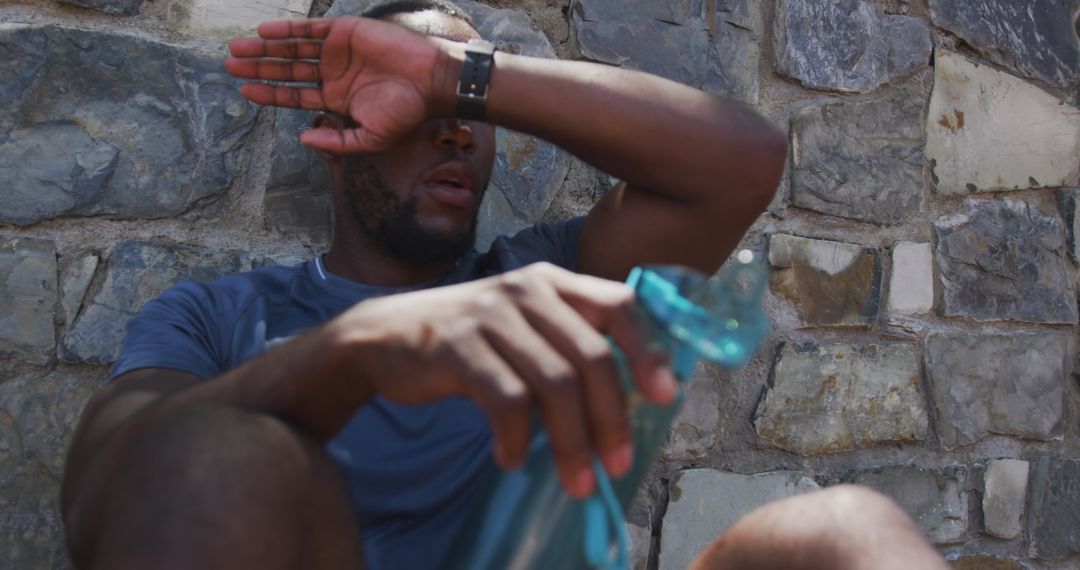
[(278, 418)]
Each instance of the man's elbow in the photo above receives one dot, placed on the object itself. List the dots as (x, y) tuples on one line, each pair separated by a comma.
[(764, 167)]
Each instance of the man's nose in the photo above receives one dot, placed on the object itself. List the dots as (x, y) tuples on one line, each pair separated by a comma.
[(453, 133)]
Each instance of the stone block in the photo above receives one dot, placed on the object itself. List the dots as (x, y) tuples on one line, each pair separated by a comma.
[(1053, 521), (836, 397), (640, 544), (31, 532), (993, 383), (43, 409), (988, 131), (706, 44), (911, 286), (1037, 38), (76, 272), (1069, 208), (829, 283), (1000, 260), (936, 501), (38, 413), (27, 298), (861, 160), (697, 428), (496, 218), (120, 7), (528, 170), (986, 562), (97, 123), (1004, 493), (225, 19), (704, 503), (847, 45), (138, 271)]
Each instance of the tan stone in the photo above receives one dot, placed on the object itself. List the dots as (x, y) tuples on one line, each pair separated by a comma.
[(837, 397), (225, 19), (990, 131), (828, 282), (984, 562)]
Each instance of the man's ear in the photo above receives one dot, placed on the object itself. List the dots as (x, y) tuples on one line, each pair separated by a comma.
[(329, 121)]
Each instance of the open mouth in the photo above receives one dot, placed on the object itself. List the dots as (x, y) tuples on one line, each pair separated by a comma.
[(453, 182)]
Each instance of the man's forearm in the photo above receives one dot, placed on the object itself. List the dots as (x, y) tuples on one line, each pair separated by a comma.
[(656, 134), (301, 382)]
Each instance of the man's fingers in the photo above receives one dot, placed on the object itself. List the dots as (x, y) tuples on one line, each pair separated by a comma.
[(311, 28), (297, 98), (496, 388), (273, 69), (285, 49), (342, 142), (557, 392), (591, 356), (610, 308)]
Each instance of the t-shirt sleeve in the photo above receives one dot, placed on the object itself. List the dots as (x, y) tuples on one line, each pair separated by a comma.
[(178, 330), (556, 243)]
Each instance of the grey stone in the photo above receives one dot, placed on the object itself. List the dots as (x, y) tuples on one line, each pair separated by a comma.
[(1004, 493), (38, 413), (31, 535), (1053, 523), (528, 170), (27, 298), (911, 287), (44, 409), (95, 123), (937, 501), (75, 277), (861, 160), (704, 503), (44, 180), (697, 427), (1000, 260), (847, 45), (989, 131), (706, 44), (992, 383), (836, 397), (496, 218), (640, 544), (829, 283), (121, 7), (1038, 38), (1069, 208), (137, 272)]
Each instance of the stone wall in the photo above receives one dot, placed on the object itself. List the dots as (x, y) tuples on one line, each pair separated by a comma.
[(924, 241)]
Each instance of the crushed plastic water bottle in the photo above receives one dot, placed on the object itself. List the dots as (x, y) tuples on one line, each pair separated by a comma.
[(524, 520)]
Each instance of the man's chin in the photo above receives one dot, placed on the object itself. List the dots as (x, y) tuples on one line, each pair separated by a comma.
[(428, 246)]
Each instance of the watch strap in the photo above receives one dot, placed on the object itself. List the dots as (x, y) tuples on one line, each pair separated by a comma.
[(472, 88)]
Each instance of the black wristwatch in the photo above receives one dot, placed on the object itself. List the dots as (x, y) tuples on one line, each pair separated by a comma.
[(472, 88)]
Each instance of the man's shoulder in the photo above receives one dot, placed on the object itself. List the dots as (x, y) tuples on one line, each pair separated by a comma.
[(234, 289), (553, 242)]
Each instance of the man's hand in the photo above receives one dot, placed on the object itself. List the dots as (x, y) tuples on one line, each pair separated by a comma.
[(532, 338), (385, 77)]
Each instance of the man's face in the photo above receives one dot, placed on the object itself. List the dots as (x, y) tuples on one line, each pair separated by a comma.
[(419, 200)]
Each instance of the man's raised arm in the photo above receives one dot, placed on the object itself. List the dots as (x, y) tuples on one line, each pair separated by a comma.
[(698, 168)]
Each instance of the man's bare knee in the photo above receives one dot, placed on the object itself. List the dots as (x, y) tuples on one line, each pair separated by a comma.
[(842, 527), (208, 482)]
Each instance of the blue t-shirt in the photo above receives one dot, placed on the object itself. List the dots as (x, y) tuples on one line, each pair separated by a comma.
[(412, 471)]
